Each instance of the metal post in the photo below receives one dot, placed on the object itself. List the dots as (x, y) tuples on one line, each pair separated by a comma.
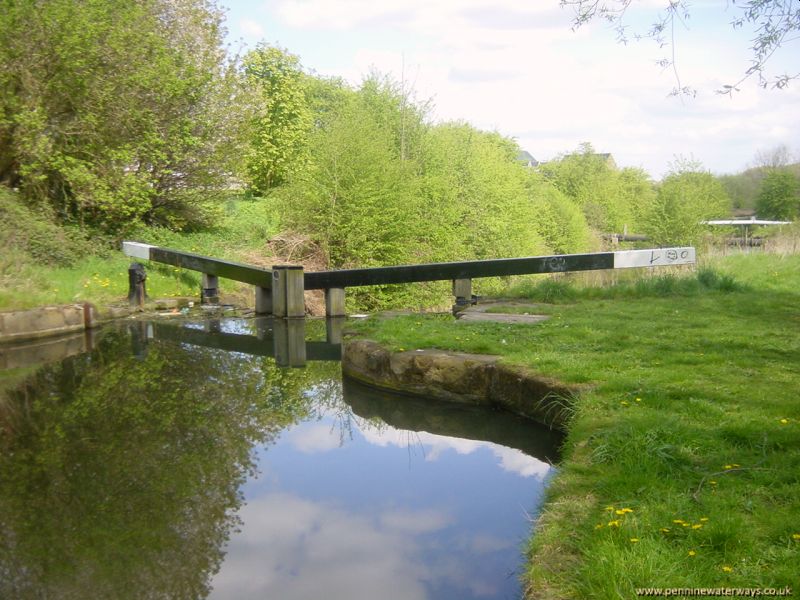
[(137, 293), (334, 302)]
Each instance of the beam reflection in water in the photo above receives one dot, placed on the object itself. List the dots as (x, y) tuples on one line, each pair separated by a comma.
[(282, 339)]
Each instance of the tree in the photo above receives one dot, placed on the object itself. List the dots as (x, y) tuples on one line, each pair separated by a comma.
[(118, 111), (559, 221), (122, 474), (775, 22), (278, 147), (610, 198), (385, 187), (685, 198), (779, 197)]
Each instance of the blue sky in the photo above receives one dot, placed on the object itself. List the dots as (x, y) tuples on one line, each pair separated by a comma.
[(518, 68)]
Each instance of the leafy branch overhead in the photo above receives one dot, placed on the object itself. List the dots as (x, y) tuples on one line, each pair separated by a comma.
[(775, 24)]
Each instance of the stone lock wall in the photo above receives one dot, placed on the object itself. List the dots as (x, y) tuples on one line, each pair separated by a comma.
[(41, 322), (460, 377)]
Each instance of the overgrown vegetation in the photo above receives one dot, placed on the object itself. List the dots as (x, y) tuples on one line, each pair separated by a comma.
[(680, 468), (119, 112)]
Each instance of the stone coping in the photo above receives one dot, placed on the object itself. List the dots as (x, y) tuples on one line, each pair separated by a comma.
[(461, 377), (16, 325)]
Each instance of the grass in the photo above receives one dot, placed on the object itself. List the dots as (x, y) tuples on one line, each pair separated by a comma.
[(32, 274), (682, 465)]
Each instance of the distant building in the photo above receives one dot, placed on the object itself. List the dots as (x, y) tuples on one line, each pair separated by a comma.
[(526, 159)]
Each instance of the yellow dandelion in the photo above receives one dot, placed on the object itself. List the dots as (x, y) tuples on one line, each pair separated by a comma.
[(638, 399), (678, 521), (697, 526), (727, 467), (784, 421), (704, 519), (796, 536), (634, 540), (627, 510), (664, 530), (609, 508), (619, 512), (713, 482), (684, 524), (727, 569), (624, 403), (599, 526), (614, 523), (692, 553)]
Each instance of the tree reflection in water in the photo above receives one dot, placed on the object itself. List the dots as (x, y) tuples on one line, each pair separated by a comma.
[(120, 473)]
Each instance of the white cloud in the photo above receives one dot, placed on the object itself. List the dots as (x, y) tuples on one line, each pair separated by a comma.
[(519, 68), (251, 28), (292, 548), (433, 446), (310, 438)]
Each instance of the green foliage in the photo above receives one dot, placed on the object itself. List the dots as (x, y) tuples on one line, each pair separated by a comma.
[(278, 148), (559, 221), (779, 197), (477, 201), (121, 472), (384, 187), (685, 198), (559, 291), (611, 199), (116, 112), (36, 237), (743, 187)]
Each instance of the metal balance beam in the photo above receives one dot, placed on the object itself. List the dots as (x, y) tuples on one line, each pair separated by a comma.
[(280, 290)]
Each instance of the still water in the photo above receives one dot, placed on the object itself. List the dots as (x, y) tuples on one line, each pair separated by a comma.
[(152, 467)]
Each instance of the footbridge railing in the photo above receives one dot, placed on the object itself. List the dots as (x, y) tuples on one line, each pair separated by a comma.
[(279, 290)]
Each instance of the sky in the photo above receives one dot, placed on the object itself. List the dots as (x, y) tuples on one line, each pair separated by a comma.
[(519, 68)]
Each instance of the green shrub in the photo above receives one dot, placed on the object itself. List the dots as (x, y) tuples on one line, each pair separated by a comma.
[(38, 236)]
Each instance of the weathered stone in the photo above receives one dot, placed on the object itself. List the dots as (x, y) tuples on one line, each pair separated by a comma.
[(459, 377), (46, 321), (38, 352)]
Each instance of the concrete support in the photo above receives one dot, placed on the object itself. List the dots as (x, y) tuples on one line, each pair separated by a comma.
[(462, 290), (290, 342), (263, 301), (334, 302), (288, 300), (333, 329), (263, 327), (209, 293)]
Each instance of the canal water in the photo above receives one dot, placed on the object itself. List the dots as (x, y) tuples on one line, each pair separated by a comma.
[(178, 461)]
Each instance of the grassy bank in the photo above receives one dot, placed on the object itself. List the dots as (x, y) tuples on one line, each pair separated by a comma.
[(682, 465), (43, 263)]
